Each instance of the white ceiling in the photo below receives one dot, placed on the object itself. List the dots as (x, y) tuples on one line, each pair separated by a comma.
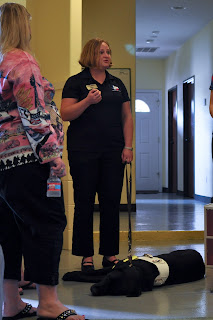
[(174, 26)]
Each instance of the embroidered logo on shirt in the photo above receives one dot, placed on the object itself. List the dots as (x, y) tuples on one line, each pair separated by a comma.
[(91, 86), (114, 88)]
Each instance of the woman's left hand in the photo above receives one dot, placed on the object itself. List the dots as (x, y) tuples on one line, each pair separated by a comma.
[(127, 155), (58, 167)]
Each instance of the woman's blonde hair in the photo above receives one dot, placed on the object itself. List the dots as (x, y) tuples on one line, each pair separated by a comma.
[(14, 28), (91, 53)]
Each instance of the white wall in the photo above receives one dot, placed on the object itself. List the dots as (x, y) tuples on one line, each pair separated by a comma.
[(194, 58)]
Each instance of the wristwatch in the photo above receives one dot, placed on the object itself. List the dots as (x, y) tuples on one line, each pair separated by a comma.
[(129, 148)]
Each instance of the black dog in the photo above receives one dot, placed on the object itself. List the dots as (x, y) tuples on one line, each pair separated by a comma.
[(131, 280)]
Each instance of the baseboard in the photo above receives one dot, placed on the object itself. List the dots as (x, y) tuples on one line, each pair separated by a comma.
[(196, 196), (123, 207), (180, 193), (147, 192), (165, 190), (203, 198)]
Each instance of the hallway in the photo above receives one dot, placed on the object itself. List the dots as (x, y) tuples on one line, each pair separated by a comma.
[(167, 211), (162, 211), (184, 301)]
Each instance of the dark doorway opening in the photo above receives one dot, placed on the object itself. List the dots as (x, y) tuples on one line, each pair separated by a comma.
[(188, 138), (172, 139)]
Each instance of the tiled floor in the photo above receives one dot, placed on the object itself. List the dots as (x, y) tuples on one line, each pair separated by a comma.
[(162, 211), (154, 212)]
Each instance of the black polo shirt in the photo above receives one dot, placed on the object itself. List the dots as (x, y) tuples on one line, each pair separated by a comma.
[(99, 127)]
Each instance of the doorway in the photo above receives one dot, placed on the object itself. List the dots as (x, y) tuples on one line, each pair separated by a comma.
[(188, 135), (148, 117), (172, 140)]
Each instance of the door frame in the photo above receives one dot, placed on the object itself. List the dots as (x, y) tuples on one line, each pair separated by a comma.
[(172, 141), (159, 133), (189, 136)]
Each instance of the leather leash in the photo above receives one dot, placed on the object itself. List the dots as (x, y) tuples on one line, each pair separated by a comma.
[(129, 196)]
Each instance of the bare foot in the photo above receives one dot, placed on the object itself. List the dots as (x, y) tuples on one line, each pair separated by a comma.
[(112, 259), (87, 260)]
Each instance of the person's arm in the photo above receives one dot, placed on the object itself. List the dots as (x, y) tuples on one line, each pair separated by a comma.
[(127, 153), (71, 108), (29, 95)]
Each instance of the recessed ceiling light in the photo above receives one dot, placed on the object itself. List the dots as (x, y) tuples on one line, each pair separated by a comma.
[(178, 8), (149, 40), (155, 32)]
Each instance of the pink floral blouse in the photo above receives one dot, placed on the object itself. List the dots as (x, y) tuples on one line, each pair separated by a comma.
[(26, 132)]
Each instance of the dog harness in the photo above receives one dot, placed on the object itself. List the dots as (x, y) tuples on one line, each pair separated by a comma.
[(162, 266)]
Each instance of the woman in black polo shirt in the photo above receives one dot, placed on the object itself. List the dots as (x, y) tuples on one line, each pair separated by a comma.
[(99, 142)]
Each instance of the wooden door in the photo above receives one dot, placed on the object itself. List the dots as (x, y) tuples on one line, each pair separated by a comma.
[(188, 152), (172, 140)]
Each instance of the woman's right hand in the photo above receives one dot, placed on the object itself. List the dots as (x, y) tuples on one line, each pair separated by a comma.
[(71, 108), (94, 96)]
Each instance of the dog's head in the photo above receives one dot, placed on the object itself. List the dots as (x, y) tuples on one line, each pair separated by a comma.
[(122, 280)]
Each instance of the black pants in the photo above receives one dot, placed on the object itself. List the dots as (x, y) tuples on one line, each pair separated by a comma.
[(102, 173), (31, 224)]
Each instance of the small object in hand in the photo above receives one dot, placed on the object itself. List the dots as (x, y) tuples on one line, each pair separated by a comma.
[(53, 185)]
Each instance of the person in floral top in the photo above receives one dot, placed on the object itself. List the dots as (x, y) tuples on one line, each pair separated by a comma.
[(31, 224)]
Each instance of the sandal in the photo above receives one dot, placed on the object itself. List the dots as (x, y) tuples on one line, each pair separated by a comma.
[(106, 263), (87, 266), (25, 313), (61, 316)]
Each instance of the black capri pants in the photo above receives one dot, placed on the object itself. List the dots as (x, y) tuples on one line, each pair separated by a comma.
[(31, 225), (100, 172)]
